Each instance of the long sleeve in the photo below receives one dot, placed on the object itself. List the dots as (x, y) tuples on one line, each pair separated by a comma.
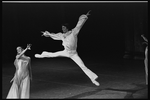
[(81, 21), (57, 36)]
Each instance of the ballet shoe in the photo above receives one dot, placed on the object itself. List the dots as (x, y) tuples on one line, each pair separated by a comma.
[(38, 56), (95, 82)]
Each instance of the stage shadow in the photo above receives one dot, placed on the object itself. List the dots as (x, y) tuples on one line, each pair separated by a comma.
[(129, 92)]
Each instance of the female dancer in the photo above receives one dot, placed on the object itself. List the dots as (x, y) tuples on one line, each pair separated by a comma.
[(21, 81)]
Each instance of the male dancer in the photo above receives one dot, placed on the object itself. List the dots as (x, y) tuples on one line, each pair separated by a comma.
[(69, 41), (146, 58)]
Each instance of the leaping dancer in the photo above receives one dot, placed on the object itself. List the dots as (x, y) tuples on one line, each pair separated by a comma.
[(146, 58), (69, 41)]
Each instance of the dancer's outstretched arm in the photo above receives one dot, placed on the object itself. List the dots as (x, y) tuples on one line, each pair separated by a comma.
[(57, 36), (81, 21)]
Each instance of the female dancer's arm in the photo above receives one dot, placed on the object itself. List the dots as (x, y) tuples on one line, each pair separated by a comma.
[(28, 47), (15, 75)]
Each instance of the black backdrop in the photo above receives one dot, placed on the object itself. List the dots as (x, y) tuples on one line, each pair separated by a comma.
[(111, 29)]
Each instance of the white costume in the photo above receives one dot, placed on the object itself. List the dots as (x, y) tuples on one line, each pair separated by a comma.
[(69, 41), (21, 82)]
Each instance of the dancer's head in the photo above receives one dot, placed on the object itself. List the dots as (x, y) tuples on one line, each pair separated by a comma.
[(19, 50), (65, 27)]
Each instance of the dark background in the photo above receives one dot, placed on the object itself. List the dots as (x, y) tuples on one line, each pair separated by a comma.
[(111, 31)]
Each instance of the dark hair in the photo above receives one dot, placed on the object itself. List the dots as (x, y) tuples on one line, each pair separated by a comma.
[(19, 47), (66, 24)]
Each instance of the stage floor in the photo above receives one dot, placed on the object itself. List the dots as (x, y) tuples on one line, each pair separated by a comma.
[(61, 78)]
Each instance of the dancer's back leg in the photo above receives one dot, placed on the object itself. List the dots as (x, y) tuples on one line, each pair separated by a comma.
[(87, 71)]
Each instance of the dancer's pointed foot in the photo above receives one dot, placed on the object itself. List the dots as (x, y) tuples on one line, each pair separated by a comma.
[(39, 56), (95, 82)]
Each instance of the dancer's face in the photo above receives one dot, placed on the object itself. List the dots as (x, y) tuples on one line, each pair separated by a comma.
[(64, 29), (19, 50)]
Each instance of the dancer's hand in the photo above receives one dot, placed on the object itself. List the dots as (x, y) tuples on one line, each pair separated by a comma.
[(28, 46), (46, 34), (43, 33), (14, 78), (88, 13), (85, 15)]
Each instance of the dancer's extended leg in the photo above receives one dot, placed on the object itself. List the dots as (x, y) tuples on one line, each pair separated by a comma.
[(51, 54), (87, 71)]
